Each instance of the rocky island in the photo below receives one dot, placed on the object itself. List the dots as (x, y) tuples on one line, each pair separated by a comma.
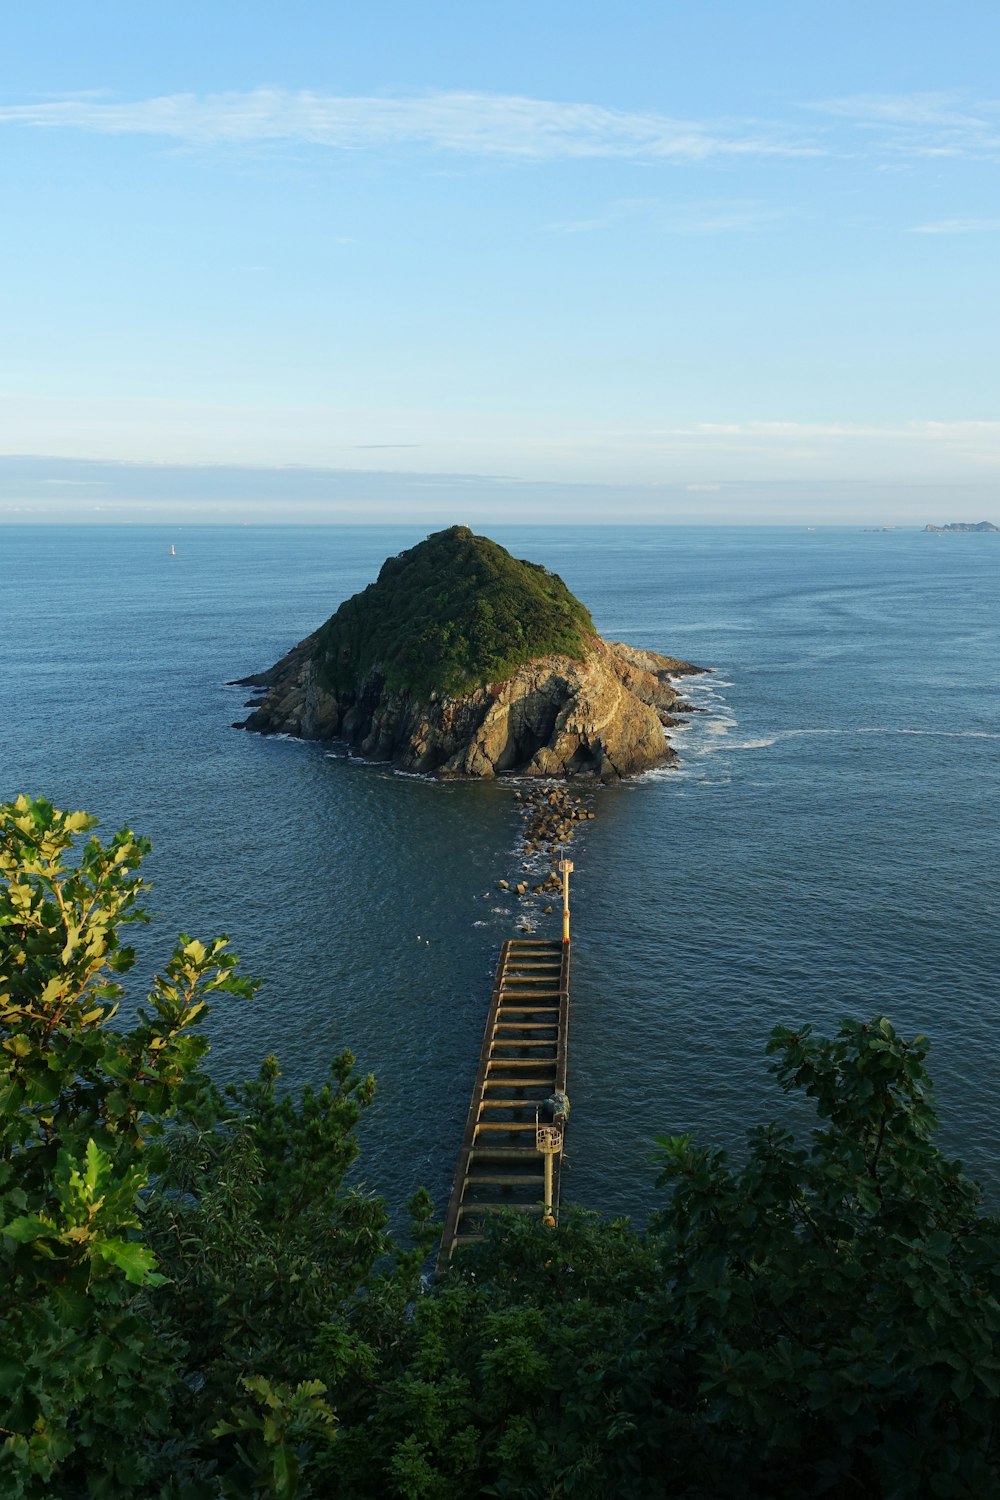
[(464, 661), (964, 526)]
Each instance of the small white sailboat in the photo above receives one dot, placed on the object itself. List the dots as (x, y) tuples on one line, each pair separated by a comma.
[(173, 550)]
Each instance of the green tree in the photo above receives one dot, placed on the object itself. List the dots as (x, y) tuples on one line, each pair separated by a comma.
[(169, 1256), (82, 1113), (817, 1320)]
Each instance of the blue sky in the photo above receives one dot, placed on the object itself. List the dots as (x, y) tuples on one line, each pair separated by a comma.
[(721, 259)]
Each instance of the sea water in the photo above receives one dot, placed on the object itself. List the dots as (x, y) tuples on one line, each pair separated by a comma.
[(826, 847)]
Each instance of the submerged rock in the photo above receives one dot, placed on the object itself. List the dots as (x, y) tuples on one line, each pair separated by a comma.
[(447, 665)]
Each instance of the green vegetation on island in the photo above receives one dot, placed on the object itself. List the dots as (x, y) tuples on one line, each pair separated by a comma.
[(449, 615), (195, 1304), (964, 526)]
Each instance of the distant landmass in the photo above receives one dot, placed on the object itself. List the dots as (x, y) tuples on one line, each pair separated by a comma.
[(965, 526), (464, 661)]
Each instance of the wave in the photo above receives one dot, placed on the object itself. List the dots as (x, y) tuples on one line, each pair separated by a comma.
[(848, 729), (682, 775), (385, 768), (714, 738), (947, 734)]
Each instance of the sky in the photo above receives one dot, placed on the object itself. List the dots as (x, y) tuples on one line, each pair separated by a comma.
[(678, 260)]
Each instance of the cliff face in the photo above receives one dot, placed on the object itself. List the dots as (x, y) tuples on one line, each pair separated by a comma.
[(600, 718), (595, 711)]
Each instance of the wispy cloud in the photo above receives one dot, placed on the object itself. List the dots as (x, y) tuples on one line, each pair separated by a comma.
[(515, 126), (713, 216), (958, 226), (922, 124), (915, 431), (938, 448), (464, 122)]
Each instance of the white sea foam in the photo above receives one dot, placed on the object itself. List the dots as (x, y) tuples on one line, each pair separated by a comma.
[(791, 734), (702, 684), (947, 734), (707, 732), (931, 733), (384, 767), (678, 776), (354, 758)]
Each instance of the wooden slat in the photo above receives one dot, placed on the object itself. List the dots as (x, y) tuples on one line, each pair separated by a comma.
[(531, 1010), (506, 1179), (526, 1025), (519, 1062), (509, 1104), (523, 1041), (468, 1209)]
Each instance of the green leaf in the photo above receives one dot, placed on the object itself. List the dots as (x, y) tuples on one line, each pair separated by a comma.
[(136, 1260), (867, 1197), (26, 1228)]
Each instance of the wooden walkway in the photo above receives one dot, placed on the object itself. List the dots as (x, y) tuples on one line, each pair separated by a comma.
[(522, 1063)]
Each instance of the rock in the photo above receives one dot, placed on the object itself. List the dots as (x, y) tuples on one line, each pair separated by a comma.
[(964, 526), (594, 716)]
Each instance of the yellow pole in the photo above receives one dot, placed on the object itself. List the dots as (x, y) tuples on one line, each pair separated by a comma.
[(548, 1140), (566, 866)]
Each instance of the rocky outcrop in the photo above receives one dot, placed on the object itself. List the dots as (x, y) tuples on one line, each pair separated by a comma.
[(598, 718), (964, 526)]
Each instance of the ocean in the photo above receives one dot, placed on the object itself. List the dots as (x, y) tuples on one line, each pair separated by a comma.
[(827, 846)]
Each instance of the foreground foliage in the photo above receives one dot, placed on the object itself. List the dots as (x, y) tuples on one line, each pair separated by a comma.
[(194, 1303), (170, 1255)]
